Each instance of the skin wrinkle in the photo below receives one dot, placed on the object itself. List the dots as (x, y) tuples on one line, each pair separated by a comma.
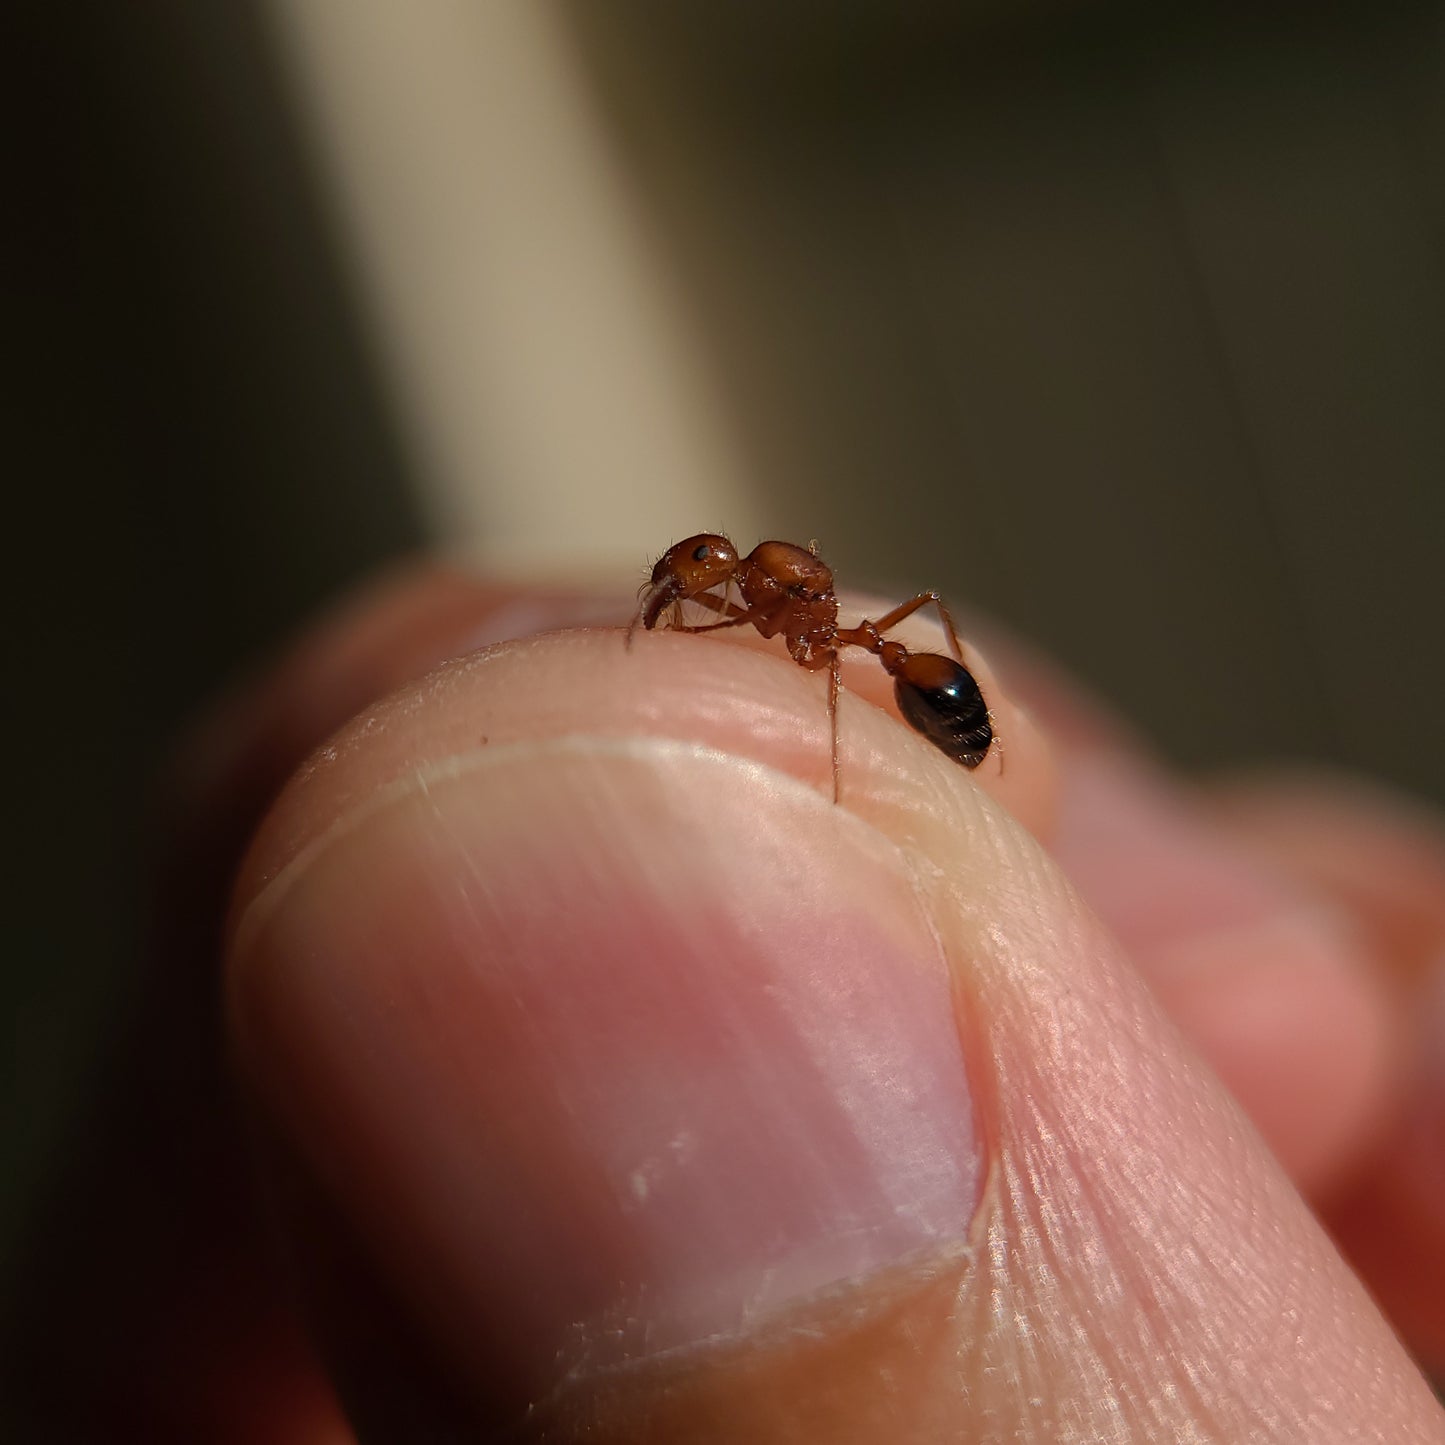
[(1036, 1163), (1047, 1155)]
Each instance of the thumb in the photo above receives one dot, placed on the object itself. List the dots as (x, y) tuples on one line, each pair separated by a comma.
[(665, 1100)]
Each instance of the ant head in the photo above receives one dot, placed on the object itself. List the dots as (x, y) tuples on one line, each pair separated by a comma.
[(696, 565)]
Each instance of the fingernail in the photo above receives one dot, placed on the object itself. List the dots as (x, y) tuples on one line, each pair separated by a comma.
[(612, 1047)]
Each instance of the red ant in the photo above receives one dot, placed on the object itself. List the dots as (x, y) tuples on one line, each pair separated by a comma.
[(788, 590)]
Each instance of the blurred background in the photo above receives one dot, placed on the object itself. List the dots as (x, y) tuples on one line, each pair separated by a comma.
[(1123, 323)]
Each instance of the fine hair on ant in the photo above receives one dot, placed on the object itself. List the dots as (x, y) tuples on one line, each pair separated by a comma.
[(787, 591)]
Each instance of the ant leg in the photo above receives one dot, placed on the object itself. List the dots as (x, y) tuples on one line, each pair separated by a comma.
[(833, 670), (714, 603), (907, 609), (638, 616), (737, 615), (711, 626)]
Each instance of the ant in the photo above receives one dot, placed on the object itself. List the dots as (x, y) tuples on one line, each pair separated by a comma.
[(788, 590)]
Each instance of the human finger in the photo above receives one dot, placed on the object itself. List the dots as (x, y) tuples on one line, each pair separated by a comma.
[(668, 1100)]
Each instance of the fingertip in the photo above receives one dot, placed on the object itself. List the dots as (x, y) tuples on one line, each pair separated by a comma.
[(682, 704), (740, 700)]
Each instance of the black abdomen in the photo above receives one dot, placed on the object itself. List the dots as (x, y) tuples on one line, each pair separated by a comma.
[(940, 699)]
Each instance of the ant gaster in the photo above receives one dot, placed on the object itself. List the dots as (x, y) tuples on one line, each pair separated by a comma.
[(787, 591)]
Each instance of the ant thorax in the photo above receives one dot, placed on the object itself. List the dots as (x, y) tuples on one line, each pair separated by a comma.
[(790, 592)]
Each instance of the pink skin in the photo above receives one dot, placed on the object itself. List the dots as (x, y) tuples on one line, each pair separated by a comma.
[(844, 1123), (1380, 859), (407, 925)]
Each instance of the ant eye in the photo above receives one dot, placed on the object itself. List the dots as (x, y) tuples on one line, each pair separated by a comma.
[(701, 554)]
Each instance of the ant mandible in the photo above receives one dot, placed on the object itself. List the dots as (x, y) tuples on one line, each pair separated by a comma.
[(787, 591)]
